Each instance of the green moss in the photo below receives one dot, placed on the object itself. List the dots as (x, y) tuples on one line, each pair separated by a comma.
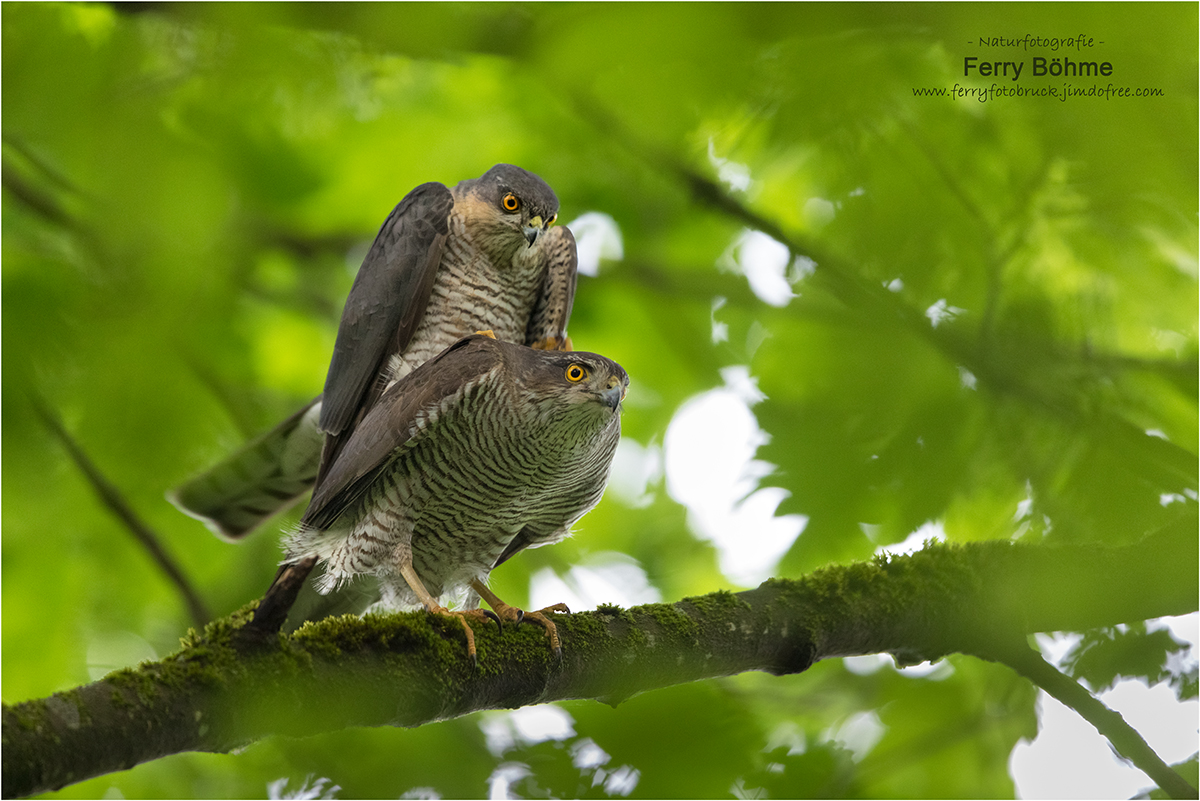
[(181, 671), (671, 621), (590, 626), (715, 603), (219, 629), (394, 637), (528, 644), (612, 610), (118, 700), (637, 637), (209, 661), (140, 681), (396, 631), (206, 658), (32, 716), (28, 714)]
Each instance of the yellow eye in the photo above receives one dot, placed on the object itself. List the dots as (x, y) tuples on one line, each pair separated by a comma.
[(576, 373), (550, 222), (510, 202)]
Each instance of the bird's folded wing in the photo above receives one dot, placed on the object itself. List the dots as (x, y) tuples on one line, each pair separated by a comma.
[(392, 422), (387, 301)]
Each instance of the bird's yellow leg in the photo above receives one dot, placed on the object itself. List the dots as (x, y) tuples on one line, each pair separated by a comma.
[(434, 608), (515, 615), (487, 333)]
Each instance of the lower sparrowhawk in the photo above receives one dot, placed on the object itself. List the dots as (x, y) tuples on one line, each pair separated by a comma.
[(485, 450)]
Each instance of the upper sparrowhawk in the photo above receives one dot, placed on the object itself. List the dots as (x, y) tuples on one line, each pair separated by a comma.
[(484, 450), (445, 263)]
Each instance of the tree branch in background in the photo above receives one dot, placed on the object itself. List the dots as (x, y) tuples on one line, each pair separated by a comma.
[(231, 686), (112, 499), (21, 169), (1124, 738)]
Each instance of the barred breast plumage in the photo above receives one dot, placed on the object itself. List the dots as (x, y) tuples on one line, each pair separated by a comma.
[(473, 291), (482, 451)]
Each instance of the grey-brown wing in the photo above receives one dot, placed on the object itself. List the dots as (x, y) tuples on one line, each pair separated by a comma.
[(552, 311), (386, 427), (387, 301)]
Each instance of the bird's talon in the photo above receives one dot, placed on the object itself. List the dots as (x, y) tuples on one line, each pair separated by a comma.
[(487, 333), (461, 616), (493, 616), (515, 615)]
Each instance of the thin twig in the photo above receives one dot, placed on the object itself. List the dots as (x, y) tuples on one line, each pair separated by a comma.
[(1124, 738), (120, 508)]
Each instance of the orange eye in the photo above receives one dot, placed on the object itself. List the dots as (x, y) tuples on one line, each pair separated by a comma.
[(510, 202), (576, 373)]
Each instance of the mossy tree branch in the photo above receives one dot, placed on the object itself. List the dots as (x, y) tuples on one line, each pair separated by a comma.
[(226, 688)]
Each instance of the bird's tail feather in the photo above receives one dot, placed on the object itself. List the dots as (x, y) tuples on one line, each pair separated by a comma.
[(292, 599), (266, 476)]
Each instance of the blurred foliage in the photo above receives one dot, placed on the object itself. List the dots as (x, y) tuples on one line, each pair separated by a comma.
[(1103, 656), (188, 190)]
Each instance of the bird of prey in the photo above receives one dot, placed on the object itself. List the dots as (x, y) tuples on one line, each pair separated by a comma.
[(485, 450), (446, 263)]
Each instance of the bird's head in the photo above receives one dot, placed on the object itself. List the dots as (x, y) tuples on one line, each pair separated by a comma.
[(510, 206), (575, 383)]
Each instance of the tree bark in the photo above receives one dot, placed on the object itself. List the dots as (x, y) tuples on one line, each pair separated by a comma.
[(230, 685)]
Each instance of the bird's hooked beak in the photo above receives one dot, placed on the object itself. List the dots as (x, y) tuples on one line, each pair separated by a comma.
[(533, 229), (614, 393)]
